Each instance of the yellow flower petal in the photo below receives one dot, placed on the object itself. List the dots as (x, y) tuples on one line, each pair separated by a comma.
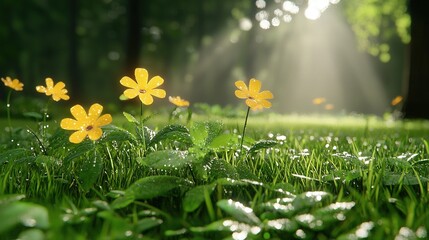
[(265, 103), (131, 93), (178, 101), (78, 112), (41, 89), (254, 86), (128, 82), (241, 85), (77, 136), (146, 98), (264, 95), (159, 93), (70, 124), (103, 120), (59, 86), (95, 133), (155, 82), (142, 76), (94, 112), (241, 94), (49, 83)]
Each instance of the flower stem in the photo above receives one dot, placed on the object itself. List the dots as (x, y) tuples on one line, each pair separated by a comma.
[(8, 113), (142, 128), (244, 131)]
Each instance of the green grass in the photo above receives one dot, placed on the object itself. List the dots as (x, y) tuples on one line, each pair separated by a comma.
[(299, 177)]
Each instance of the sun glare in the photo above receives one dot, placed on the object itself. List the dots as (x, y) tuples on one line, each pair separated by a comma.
[(297, 57)]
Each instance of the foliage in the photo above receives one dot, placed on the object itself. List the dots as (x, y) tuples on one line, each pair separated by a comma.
[(189, 182), (375, 23)]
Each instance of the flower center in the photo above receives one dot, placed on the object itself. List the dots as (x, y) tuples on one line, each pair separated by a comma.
[(89, 128), (142, 91)]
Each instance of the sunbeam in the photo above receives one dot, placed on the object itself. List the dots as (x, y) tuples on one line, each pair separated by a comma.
[(299, 59)]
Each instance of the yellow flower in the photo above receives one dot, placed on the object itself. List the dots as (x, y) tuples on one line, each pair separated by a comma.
[(15, 84), (86, 125), (397, 100), (329, 107), (254, 98), (57, 91), (178, 101), (142, 88), (318, 101)]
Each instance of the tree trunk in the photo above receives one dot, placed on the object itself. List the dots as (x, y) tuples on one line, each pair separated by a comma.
[(416, 104)]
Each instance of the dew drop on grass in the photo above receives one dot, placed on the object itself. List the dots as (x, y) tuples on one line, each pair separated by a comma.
[(364, 229), (300, 234), (128, 233), (29, 222)]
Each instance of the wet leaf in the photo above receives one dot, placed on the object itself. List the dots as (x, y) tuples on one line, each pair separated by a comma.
[(119, 135), (9, 198), (224, 141), (155, 186), (308, 200), (90, 171), (122, 201), (219, 168), (195, 197), (168, 159), (172, 133), (15, 155), (203, 133), (130, 118), (239, 211), (32, 234), (262, 144), (79, 150), (363, 231), (404, 179), (23, 213), (147, 223), (282, 224)]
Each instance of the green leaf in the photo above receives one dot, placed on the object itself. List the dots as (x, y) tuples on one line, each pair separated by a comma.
[(16, 155), (9, 198), (155, 186), (32, 234), (81, 149), (147, 223), (118, 135), (203, 133), (195, 197), (199, 134), (37, 116), (262, 144), (308, 200), (325, 217), (404, 179), (168, 159), (26, 214), (47, 160), (224, 141), (122, 201), (172, 133), (282, 224), (219, 168), (89, 171), (239, 211), (130, 118)]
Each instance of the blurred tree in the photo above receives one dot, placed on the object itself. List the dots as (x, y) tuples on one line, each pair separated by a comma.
[(417, 98), (133, 42), (376, 22)]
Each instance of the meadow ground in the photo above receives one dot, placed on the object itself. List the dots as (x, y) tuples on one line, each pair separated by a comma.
[(295, 177)]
